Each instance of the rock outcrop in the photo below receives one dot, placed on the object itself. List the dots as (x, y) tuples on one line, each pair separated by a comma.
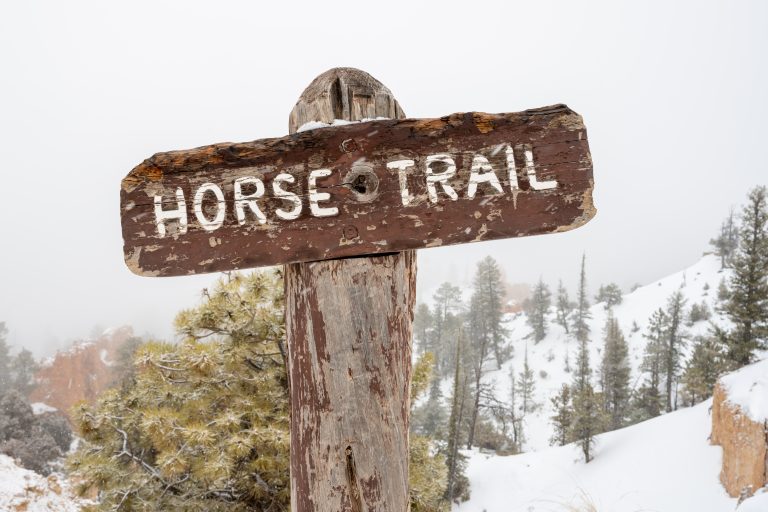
[(742, 434), (80, 373)]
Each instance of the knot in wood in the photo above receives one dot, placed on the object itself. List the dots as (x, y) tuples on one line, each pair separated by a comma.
[(363, 182)]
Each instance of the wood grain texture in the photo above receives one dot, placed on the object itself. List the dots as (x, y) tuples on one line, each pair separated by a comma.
[(371, 216), (349, 326), (349, 329)]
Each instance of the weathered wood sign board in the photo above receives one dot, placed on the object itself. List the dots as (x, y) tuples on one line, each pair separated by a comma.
[(357, 189)]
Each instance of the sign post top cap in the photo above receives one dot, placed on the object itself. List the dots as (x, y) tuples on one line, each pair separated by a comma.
[(344, 93)]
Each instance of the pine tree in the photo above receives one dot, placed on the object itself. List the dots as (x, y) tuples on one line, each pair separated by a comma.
[(614, 374), (704, 367), (488, 297), (23, 369), (518, 434), (563, 306), (726, 241), (562, 418), (5, 361), (747, 306), (447, 301), (609, 295), (582, 314), (526, 385), (423, 321), (537, 309), (458, 485), (588, 419), (648, 400), (583, 371), (486, 332), (204, 424), (674, 339)]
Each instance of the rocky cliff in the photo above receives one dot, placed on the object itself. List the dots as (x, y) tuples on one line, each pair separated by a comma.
[(739, 425), (81, 372)]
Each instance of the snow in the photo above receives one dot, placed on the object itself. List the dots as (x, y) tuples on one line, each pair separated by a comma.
[(665, 465), (42, 408), (549, 354), (757, 503), (747, 388), (313, 125), (21, 489)]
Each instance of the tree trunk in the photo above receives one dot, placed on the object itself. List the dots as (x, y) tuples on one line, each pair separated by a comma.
[(349, 327)]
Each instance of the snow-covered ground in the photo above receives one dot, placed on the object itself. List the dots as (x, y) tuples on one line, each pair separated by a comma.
[(24, 490), (664, 465), (748, 389), (547, 358)]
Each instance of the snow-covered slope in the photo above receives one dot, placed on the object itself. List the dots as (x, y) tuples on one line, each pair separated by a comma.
[(747, 388), (548, 356), (24, 490), (664, 465)]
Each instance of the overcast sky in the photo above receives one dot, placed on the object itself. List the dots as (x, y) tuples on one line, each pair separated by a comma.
[(674, 96)]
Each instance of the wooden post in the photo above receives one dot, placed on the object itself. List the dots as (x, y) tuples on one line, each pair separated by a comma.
[(349, 325)]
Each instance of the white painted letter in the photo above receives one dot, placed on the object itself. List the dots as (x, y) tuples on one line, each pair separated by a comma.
[(163, 215), (482, 172), (401, 166), (441, 178), (288, 196), (221, 207), (315, 196), (511, 169), (248, 200), (530, 170)]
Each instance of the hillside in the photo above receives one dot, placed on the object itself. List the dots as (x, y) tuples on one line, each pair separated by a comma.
[(549, 354), (22, 490), (665, 464)]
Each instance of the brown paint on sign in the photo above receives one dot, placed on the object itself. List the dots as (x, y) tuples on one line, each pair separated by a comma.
[(359, 206)]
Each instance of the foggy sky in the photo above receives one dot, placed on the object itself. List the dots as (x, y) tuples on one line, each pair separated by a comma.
[(673, 95)]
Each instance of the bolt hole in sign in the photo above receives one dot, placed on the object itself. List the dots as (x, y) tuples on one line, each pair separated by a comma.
[(357, 189)]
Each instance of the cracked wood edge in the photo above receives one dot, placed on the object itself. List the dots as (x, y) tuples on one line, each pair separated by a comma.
[(364, 223)]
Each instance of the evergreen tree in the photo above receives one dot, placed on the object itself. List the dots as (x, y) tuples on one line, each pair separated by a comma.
[(582, 314), (698, 313), (23, 369), (648, 400), (614, 374), (446, 317), (537, 309), (747, 306), (674, 339), (563, 306), (518, 435), (703, 368), (204, 424), (458, 484), (526, 385), (726, 241), (488, 298), (588, 419), (5, 361), (487, 333), (562, 417), (610, 295), (423, 321), (583, 372)]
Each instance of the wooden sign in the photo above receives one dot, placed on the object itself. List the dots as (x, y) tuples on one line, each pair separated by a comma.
[(358, 189)]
